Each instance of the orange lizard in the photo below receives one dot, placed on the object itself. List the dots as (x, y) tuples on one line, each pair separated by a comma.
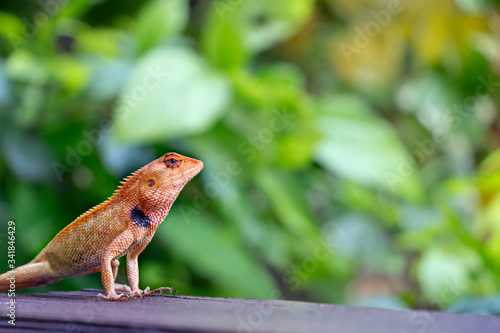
[(122, 225)]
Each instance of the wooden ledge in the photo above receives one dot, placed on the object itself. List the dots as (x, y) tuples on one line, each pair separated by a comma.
[(81, 311)]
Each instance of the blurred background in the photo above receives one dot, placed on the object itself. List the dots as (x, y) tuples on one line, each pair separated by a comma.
[(350, 147)]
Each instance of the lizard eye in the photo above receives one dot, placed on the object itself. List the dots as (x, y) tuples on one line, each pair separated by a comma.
[(172, 162), (150, 183)]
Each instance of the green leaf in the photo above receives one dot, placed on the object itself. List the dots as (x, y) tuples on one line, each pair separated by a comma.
[(222, 45), (444, 274), (71, 74), (235, 203), (286, 202), (214, 252), (24, 66), (158, 20), (364, 148), (171, 92), (107, 42), (11, 30), (261, 24)]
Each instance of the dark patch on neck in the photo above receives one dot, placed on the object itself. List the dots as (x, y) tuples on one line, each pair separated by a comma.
[(139, 218)]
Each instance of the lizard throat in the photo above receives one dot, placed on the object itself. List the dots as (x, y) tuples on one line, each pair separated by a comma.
[(139, 218), (148, 220)]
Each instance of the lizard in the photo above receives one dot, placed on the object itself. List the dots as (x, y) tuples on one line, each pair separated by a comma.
[(122, 225)]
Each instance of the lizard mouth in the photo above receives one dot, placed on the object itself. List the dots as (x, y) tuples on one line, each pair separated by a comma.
[(191, 172)]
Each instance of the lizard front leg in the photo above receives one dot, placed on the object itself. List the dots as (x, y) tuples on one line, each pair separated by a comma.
[(118, 286), (133, 272), (133, 276), (115, 248)]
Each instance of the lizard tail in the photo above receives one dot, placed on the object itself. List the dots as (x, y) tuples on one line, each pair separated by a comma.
[(30, 275)]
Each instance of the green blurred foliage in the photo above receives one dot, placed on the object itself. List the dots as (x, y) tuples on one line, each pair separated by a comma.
[(350, 146)]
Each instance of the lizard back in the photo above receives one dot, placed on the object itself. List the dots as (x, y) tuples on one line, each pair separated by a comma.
[(78, 248)]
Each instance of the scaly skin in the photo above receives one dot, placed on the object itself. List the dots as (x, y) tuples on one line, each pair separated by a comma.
[(122, 225)]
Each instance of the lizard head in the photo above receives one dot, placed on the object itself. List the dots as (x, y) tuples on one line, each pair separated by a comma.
[(161, 180)]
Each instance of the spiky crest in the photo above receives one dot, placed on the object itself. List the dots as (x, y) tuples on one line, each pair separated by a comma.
[(126, 183)]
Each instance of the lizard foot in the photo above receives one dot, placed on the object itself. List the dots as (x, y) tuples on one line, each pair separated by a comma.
[(135, 293), (148, 292), (122, 287), (113, 297)]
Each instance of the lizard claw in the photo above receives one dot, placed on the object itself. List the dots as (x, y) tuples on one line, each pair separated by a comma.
[(148, 292), (113, 297), (135, 293)]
